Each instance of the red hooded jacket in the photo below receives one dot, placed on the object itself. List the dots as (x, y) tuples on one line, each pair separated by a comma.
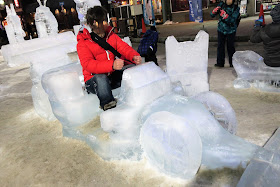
[(94, 59)]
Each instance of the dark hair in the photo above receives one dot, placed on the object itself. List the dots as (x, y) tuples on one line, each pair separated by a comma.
[(233, 1), (96, 13)]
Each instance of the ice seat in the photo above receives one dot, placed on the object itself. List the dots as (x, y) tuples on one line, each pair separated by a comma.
[(70, 103), (187, 63)]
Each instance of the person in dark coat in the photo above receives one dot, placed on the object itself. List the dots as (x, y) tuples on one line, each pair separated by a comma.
[(270, 36), (228, 22), (102, 71), (148, 45)]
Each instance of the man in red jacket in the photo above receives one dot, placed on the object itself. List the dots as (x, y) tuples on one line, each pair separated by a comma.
[(102, 71)]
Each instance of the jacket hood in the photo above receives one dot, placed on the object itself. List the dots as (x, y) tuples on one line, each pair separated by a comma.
[(85, 35)]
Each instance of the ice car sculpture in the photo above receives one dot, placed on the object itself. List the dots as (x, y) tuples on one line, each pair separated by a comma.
[(45, 21), (177, 134), (148, 107), (252, 71), (13, 28)]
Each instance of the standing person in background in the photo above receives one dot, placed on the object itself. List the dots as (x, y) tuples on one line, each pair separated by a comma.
[(270, 36), (229, 18), (148, 45)]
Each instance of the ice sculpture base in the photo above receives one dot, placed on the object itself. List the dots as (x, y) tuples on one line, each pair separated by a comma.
[(265, 86), (187, 63), (102, 144)]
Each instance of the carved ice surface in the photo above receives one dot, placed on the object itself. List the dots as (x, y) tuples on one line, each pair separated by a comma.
[(41, 102), (220, 108), (187, 62), (171, 144), (25, 52), (252, 71), (13, 28), (219, 147), (46, 23)]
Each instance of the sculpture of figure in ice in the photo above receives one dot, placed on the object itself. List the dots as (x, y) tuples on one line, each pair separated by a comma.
[(13, 28), (252, 71), (82, 6), (46, 23), (187, 62)]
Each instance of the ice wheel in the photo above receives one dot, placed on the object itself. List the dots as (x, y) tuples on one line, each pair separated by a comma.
[(171, 145)]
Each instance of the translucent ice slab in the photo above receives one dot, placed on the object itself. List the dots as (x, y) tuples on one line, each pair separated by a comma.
[(143, 83), (41, 102), (25, 52), (264, 168), (187, 62), (252, 71)]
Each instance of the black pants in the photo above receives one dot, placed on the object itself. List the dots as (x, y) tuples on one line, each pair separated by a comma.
[(150, 56), (222, 38), (102, 85)]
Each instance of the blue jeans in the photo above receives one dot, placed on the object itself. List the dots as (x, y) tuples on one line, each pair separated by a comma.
[(102, 85)]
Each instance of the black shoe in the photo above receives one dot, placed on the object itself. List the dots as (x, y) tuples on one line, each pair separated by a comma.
[(231, 65), (110, 105), (219, 65)]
